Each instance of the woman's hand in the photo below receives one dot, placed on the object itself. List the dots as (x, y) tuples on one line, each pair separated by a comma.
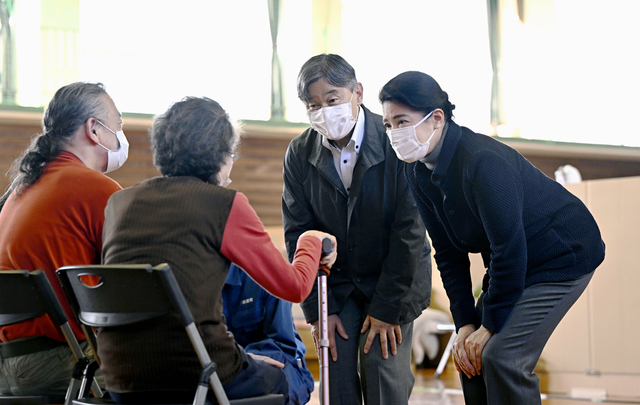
[(328, 260), (474, 345), (333, 324), (387, 331), (460, 357)]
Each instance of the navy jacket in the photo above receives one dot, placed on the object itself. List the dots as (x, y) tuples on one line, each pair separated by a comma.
[(382, 246), (484, 197), (263, 324)]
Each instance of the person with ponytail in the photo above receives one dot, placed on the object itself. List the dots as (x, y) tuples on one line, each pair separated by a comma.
[(52, 216), (540, 244)]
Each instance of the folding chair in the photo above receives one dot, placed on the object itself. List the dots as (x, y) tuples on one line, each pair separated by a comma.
[(25, 295), (477, 294), (132, 293), (447, 351)]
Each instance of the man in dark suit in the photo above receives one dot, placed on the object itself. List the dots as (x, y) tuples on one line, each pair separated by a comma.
[(342, 176)]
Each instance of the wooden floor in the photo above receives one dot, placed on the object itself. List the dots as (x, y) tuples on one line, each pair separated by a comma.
[(445, 390)]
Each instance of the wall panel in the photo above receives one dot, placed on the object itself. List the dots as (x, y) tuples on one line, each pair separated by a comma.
[(258, 171)]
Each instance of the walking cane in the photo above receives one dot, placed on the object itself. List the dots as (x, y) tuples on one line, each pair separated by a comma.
[(324, 335)]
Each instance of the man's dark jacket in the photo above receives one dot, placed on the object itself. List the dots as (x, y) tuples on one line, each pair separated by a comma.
[(382, 245)]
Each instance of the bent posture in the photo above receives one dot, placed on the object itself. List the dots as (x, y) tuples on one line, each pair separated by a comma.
[(539, 242)]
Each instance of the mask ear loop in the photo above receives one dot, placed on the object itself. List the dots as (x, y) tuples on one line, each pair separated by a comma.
[(429, 140), (426, 117), (110, 130)]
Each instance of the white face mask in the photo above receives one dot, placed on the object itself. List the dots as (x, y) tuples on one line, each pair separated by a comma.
[(116, 158), (224, 182), (405, 143), (334, 122)]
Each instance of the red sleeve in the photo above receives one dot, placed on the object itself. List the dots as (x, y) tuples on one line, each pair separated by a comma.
[(247, 244)]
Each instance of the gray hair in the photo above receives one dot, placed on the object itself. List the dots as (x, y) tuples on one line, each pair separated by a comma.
[(193, 138), (333, 68), (71, 106)]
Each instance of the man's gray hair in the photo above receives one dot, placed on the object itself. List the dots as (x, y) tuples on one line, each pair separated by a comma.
[(333, 68)]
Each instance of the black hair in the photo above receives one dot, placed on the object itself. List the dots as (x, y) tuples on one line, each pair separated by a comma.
[(333, 68), (418, 91), (193, 138)]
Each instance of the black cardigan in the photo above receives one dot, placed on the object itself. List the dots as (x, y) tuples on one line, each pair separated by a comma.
[(484, 197)]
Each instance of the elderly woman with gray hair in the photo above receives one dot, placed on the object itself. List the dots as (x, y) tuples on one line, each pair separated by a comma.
[(188, 219)]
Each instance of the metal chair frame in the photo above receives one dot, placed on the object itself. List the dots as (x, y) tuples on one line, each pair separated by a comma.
[(133, 293), (25, 295)]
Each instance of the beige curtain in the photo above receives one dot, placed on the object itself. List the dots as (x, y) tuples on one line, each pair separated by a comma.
[(277, 92), (8, 61)]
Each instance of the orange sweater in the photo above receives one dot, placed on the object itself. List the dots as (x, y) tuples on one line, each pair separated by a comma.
[(56, 222)]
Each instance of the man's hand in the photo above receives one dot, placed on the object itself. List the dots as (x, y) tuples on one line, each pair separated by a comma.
[(460, 357), (333, 324), (474, 345), (387, 331), (267, 360)]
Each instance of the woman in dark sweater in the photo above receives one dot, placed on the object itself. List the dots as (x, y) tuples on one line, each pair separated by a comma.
[(188, 219), (539, 242)]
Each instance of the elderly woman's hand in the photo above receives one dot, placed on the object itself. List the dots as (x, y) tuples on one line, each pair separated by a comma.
[(328, 260)]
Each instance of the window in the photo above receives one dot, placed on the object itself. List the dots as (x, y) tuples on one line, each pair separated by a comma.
[(150, 53), (568, 66), (445, 39), (570, 71)]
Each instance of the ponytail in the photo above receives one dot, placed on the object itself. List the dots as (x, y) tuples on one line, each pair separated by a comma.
[(68, 110)]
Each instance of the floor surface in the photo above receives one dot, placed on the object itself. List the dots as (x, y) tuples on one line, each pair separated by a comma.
[(445, 390)]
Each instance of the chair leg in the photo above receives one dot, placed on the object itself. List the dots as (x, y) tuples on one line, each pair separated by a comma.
[(209, 376), (445, 356), (201, 394), (89, 382), (73, 392)]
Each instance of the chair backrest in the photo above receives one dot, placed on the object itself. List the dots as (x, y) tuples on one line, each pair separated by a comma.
[(122, 294), (25, 295)]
